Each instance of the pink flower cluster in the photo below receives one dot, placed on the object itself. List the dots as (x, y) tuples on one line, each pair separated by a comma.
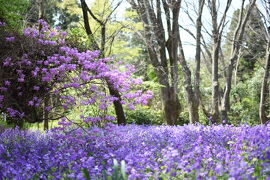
[(64, 72)]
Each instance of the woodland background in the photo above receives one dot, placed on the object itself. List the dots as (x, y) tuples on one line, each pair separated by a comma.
[(220, 76)]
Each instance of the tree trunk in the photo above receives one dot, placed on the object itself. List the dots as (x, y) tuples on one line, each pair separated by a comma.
[(225, 105), (120, 115), (46, 113), (41, 15), (264, 88), (197, 81), (169, 98), (215, 84), (215, 59), (192, 108), (193, 95), (171, 105)]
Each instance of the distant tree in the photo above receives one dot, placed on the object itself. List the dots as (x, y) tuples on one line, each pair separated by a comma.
[(265, 81), (56, 12), (235, 50), (221, 99), (162, 47), (253, 45)]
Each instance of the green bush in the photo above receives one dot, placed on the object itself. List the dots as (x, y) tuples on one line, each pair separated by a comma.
[(144, 116)]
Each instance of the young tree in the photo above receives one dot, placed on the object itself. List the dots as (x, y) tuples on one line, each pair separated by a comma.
[(193, 94), (265, 80), (221, 100), (236, 45), (103, 23), (217, 32)]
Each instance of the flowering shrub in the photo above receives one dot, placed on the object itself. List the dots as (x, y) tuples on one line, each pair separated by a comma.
[(178, 152), (38, 65)]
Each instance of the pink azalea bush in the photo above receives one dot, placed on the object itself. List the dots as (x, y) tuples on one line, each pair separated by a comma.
[(40, 64)]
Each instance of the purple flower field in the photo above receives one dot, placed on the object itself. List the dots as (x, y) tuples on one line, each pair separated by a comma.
[(150, 152)]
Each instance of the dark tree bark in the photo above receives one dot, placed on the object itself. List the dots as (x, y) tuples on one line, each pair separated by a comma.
[(46, 112), (119, 111)]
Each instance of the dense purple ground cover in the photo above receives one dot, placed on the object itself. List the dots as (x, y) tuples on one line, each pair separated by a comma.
[(149, 152)]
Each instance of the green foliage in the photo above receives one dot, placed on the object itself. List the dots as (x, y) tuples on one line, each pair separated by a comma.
[(68, 14), (144, 116), (151, 74), (183, 118), (12, 12), (86, 174), (203, 119), (78, 38), (245, 100), (119, 172)]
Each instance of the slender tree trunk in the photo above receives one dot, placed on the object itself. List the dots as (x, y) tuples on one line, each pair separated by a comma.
[(215, 61), (192, 108), (46, 113), (217, 31), (193, 95), (225, 106), (197, 81), (265, 88), (215, 83), (236, 70), (87, 25)]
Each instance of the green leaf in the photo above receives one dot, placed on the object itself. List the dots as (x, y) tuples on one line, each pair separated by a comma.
[(86, 174), (123, 169)]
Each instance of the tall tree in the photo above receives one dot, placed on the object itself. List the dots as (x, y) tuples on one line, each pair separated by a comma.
[(236, 45), (217, 32), (166, 66), (119, 111), (265, 80), (253, 45), (193, 94)]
